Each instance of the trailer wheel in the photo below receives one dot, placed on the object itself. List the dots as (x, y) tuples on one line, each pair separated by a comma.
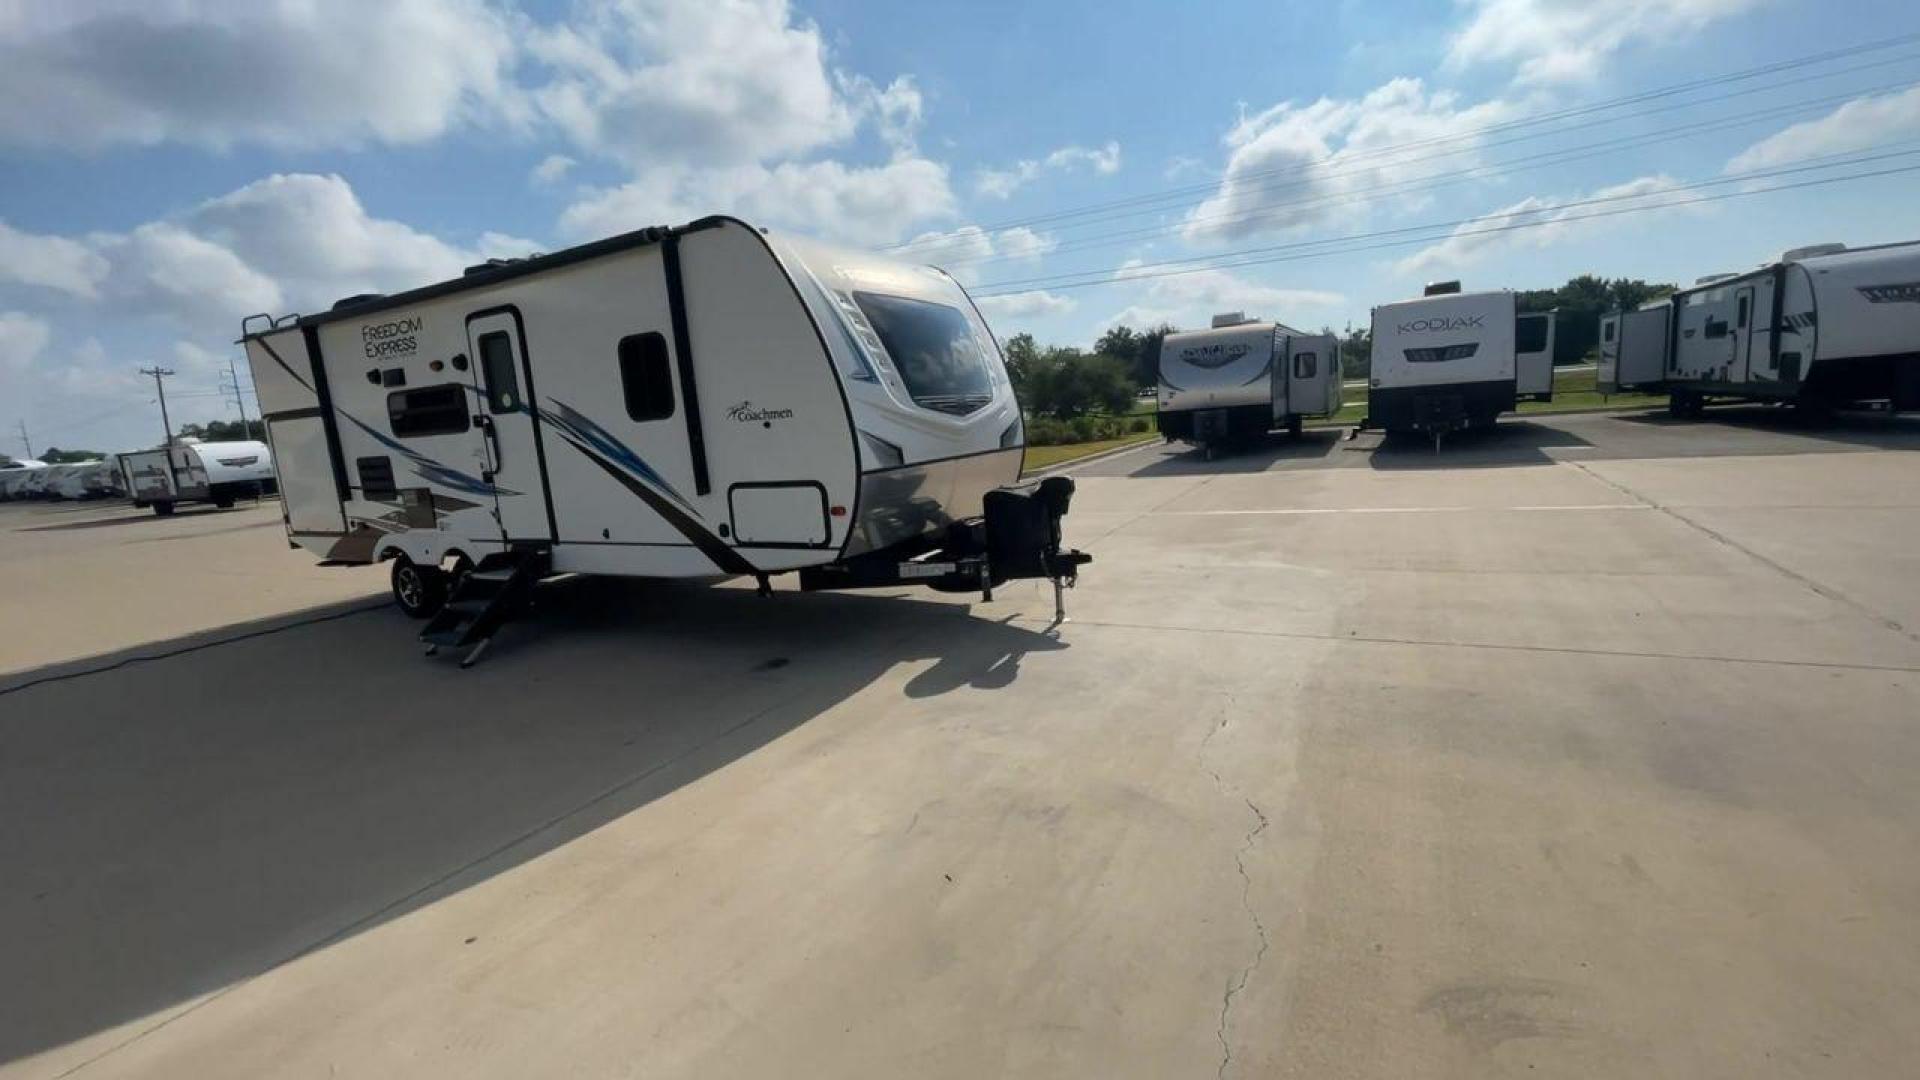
[(419, 590), (163, 509), (1685, 405)]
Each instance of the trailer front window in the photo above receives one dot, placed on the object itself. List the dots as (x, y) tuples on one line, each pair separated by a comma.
[(934, 347)]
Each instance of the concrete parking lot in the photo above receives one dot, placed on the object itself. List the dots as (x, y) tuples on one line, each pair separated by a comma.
[(1583, 748)]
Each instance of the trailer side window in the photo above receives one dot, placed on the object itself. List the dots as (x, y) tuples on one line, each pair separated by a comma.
[(428, 410), (1606, 332), (645, 377), (1305, 364), (1716, 328), (1530, 333), (1741, 322), (496, 367)]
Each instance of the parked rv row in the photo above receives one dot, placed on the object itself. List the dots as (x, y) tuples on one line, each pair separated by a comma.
[(217, 473), (1823, 326)]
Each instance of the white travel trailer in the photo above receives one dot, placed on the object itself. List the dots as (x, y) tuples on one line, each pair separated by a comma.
[(14, 477), (1244, 378), (1453, 359), (699, 402), (212, 472), (1825, 325), (84, 480)]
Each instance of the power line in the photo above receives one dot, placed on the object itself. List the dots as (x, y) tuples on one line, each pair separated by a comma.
[(1432, 181), (1509, 125), (1510, 227)]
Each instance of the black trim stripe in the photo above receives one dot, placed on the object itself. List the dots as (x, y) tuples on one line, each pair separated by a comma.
[(295, 414), (683, 358), (323, 392), (714, 548), (1015, 449)]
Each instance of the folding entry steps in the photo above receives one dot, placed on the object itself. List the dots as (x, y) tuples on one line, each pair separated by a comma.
[(483, 600)]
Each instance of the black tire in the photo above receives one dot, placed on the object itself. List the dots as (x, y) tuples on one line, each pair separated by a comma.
[(1684, 405), (462, 566), (419, 590), (163, 509), (224, 502), (1294, 426)]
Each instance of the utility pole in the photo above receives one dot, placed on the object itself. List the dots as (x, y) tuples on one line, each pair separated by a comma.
[(239, 399), (159, 373), (24, 441)]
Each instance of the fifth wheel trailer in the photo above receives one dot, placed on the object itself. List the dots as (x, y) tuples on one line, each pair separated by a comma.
[(1242, 379), (707, 401), (212, 472), (1452, 359), (1826, 326)]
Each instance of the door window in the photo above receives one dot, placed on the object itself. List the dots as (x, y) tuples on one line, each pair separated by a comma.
[(645, 379), (497, 369), (1304, 365), (1741, 320)]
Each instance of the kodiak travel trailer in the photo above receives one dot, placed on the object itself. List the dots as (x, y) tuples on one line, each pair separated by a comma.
[(1453, 360), (210, 472), (1243, 378), (1825, 326), (708, 401)]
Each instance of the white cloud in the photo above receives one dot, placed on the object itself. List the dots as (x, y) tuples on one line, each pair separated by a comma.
[(709, 82), (868, 205), (52, 262), (1025, 305), (297, 75), (1554, 41), (286, 242), (1295, 165), (1861, 123), (1192, 299), (494, 245), (22, 337), (551, 169), (962, 250), (1000, 183), (1544, 222)]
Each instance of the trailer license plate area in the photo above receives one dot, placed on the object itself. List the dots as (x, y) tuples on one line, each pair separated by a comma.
[(913, 570)]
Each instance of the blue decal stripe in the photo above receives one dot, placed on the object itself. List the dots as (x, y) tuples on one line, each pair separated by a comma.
[(430, 470), (589, 434)]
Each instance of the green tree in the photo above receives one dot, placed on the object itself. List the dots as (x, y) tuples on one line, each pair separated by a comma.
[(56, 456)]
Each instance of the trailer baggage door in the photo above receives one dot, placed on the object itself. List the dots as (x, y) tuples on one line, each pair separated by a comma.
[(496, 340), (1312, 370)]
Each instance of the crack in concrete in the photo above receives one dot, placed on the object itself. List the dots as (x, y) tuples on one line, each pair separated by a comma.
[(1239, 982), (1260, 928)]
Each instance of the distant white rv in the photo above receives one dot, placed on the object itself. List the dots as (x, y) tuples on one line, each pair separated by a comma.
[(211, 472), (1242, 379), (1824, 325), (1452, 360)]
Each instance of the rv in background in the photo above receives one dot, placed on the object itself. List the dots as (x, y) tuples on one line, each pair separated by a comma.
[(1242, 379), (14, 476), (1825, 326), (1453, 360), (210, 472), (84, 480), (707, 401)]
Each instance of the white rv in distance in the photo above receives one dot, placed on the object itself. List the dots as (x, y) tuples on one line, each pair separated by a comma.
[(1453, 360), (699, 402), (210, 472), (14, 476), (1244, 378), (1825, 326)]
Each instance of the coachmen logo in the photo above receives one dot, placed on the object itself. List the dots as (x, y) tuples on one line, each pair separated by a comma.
[(1455, 322), (1213, 356), (747, 413), (1904, 293)]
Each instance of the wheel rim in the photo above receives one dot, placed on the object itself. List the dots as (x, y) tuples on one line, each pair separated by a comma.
[(406, 585)]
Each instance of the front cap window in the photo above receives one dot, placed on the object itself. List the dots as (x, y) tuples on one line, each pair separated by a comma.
[(934, 348)]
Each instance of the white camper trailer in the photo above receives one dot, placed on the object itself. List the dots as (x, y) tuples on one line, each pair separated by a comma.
[(1244, 378), (14, 477), (1453, 359), (700, 402), (1825, 325), (85, 480), (212, 472)]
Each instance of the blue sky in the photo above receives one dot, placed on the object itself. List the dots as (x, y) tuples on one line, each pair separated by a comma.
[(168, 168)]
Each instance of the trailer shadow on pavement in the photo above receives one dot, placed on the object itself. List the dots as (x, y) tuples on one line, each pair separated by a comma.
[(130, 516), (1511, 442), (1873, 430), (1312, 445), (189, 814)]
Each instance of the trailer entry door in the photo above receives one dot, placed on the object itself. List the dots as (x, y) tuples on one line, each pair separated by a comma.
[(508, 424)]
